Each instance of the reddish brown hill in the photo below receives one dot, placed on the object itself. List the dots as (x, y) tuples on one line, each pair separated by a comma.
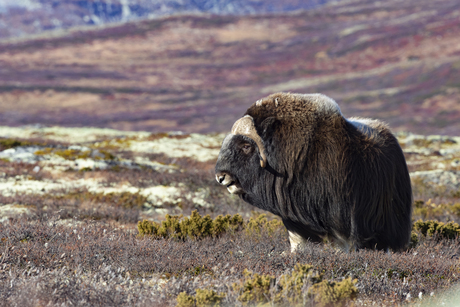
[(394, 60)]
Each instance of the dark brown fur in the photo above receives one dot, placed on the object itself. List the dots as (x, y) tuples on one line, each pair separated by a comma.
[(327, 177)]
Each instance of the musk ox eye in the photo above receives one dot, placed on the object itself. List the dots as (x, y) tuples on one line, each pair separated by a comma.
[(246, 148)]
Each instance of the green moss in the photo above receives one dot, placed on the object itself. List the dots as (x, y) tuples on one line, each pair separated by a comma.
[(255, 289), (12, 143), (202, 298), (195, 226), (431, 227), (44, 151), (114, 144), (327, 293), (74, 154)]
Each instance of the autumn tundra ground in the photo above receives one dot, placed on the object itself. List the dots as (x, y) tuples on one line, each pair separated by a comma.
[(72, 200)]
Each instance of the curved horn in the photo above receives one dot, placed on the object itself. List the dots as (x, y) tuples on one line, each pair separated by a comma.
[(245, 126)]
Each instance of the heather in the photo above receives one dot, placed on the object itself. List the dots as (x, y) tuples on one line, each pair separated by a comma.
[(125, 225), (88, 262)]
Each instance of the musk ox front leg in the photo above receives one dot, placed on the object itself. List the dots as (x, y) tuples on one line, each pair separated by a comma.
[(296, 241)]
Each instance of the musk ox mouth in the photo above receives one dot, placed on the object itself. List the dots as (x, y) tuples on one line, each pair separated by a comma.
[(232, 184)]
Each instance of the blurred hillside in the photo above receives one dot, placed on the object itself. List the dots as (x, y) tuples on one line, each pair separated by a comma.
[(25, 17), (394, 60)]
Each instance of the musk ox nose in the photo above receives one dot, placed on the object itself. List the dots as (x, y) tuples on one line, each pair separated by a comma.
[(220, 177), (225, 179), (230, 182)]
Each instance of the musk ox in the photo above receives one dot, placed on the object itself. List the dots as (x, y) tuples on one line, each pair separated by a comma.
[(327, 177)]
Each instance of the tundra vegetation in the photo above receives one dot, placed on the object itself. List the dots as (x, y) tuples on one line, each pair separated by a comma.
[(110, 218)]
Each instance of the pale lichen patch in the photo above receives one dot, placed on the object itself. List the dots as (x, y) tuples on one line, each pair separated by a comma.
[(12, 210), (62, 134), (196, 146)]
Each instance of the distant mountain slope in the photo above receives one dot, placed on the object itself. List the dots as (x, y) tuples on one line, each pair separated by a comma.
[(25, 17), (394, 60)]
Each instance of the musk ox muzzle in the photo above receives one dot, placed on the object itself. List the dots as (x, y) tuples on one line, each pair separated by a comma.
[(230, 182)]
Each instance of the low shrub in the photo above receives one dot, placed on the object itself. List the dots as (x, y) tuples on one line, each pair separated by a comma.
[(294, 286), (202, 298), (257, 225), (255, 289), (208, 298), (413, 239), (195, 226), (295, 289), (431, 227), (185, 300), (331, 293)]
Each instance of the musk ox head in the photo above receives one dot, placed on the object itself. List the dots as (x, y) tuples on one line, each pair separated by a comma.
[(259, 146), (239, 150), (326, 176)]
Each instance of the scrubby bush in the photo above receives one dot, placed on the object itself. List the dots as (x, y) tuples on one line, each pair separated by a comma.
[(195, 226), (413, 239), (331, 293), (260, 223), (295, 289), (208, 298), (430, 228), (185, 300), (202, 298), (255, 289)]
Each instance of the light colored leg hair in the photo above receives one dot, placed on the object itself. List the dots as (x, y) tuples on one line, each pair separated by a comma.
[(295, 241)]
